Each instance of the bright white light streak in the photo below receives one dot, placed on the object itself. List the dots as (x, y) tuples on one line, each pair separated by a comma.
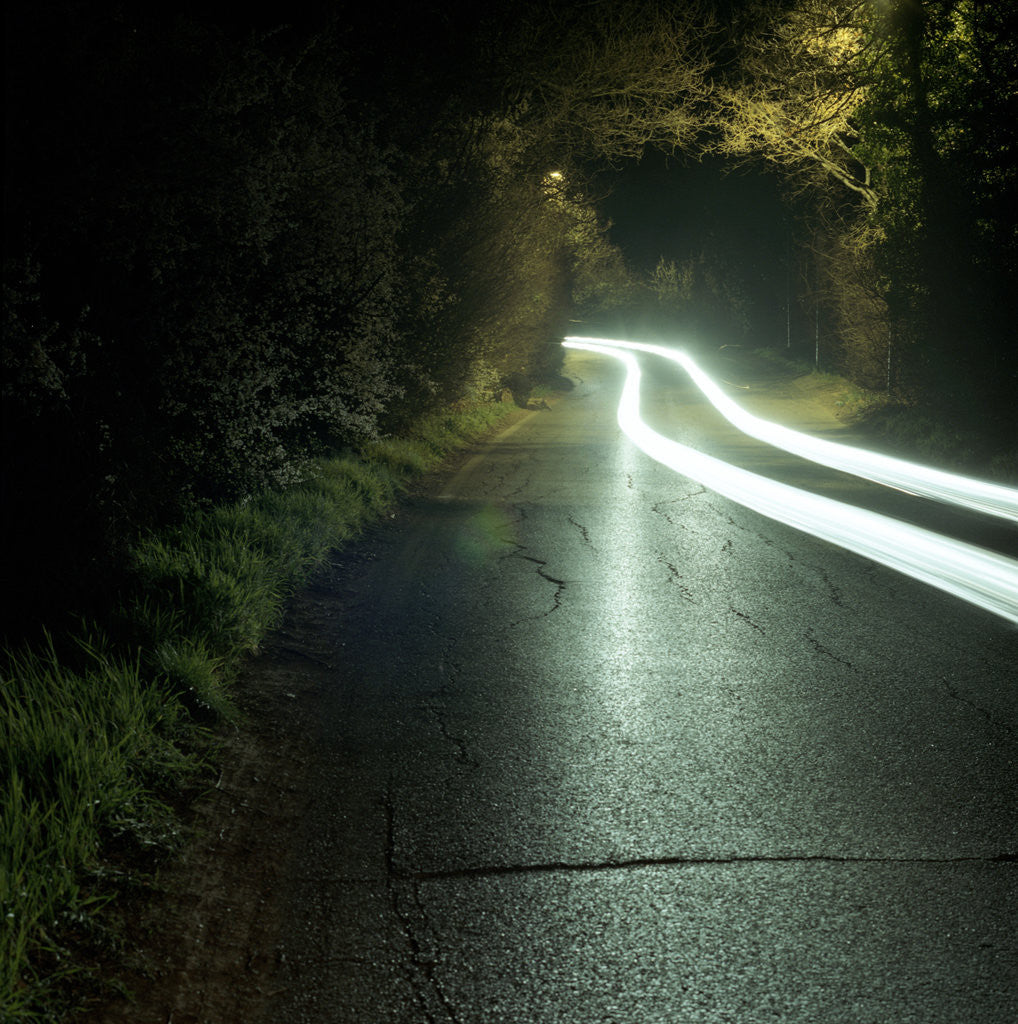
[(981, 495), (978, 576)]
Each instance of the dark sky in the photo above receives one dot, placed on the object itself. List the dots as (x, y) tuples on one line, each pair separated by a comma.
[(661, 206)]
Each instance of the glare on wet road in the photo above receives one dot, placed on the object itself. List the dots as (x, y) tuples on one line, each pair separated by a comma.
[(971, 573)]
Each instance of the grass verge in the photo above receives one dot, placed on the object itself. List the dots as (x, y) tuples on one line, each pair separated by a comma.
[(925, 434), (100, 731), (914, 431)]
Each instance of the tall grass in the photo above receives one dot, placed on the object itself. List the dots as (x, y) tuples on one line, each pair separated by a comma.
[(83, 749), (88, 739)]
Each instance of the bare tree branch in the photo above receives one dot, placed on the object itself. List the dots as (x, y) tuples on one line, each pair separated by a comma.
[(613, 79), (801, 81)]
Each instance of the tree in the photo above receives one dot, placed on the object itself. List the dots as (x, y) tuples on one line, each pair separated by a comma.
[(939, 126), (493, 250), (607, 80), (897, 121), (703, 294), (794, 99)]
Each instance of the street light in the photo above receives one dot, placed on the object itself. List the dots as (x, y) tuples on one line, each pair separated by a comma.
[(553, 181)]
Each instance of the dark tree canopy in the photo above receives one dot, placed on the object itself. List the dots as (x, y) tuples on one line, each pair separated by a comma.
[(232, 245)]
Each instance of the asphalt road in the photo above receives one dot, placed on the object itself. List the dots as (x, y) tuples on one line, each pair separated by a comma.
[(594, 744)]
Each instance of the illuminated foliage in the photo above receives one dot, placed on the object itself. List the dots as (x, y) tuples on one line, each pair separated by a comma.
[(610, 79), (795, 97), (895, 123), (488, 256), (702, 294)]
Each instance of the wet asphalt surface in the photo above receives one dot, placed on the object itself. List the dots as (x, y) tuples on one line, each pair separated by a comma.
[(597, 745)]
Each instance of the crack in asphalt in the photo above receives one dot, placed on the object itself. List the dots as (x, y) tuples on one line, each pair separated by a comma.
[(658, 510), (756, 533), (584, 532), (658, 507), (458, 743), (880, 578), (419, 969), (747, 619), (560, 585), (678, 579), (835, 592), (986, 713), (810, 635), (436, 703), (522, 488), (552, 867)]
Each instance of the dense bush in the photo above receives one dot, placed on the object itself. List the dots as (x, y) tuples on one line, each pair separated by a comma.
[(227, 267), (228, 253)]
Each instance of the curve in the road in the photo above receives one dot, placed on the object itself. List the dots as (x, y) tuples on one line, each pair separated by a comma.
[(981, 495), (978, 576)]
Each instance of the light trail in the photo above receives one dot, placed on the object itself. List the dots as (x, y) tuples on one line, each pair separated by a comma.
[(951, 488), (975, 575)]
